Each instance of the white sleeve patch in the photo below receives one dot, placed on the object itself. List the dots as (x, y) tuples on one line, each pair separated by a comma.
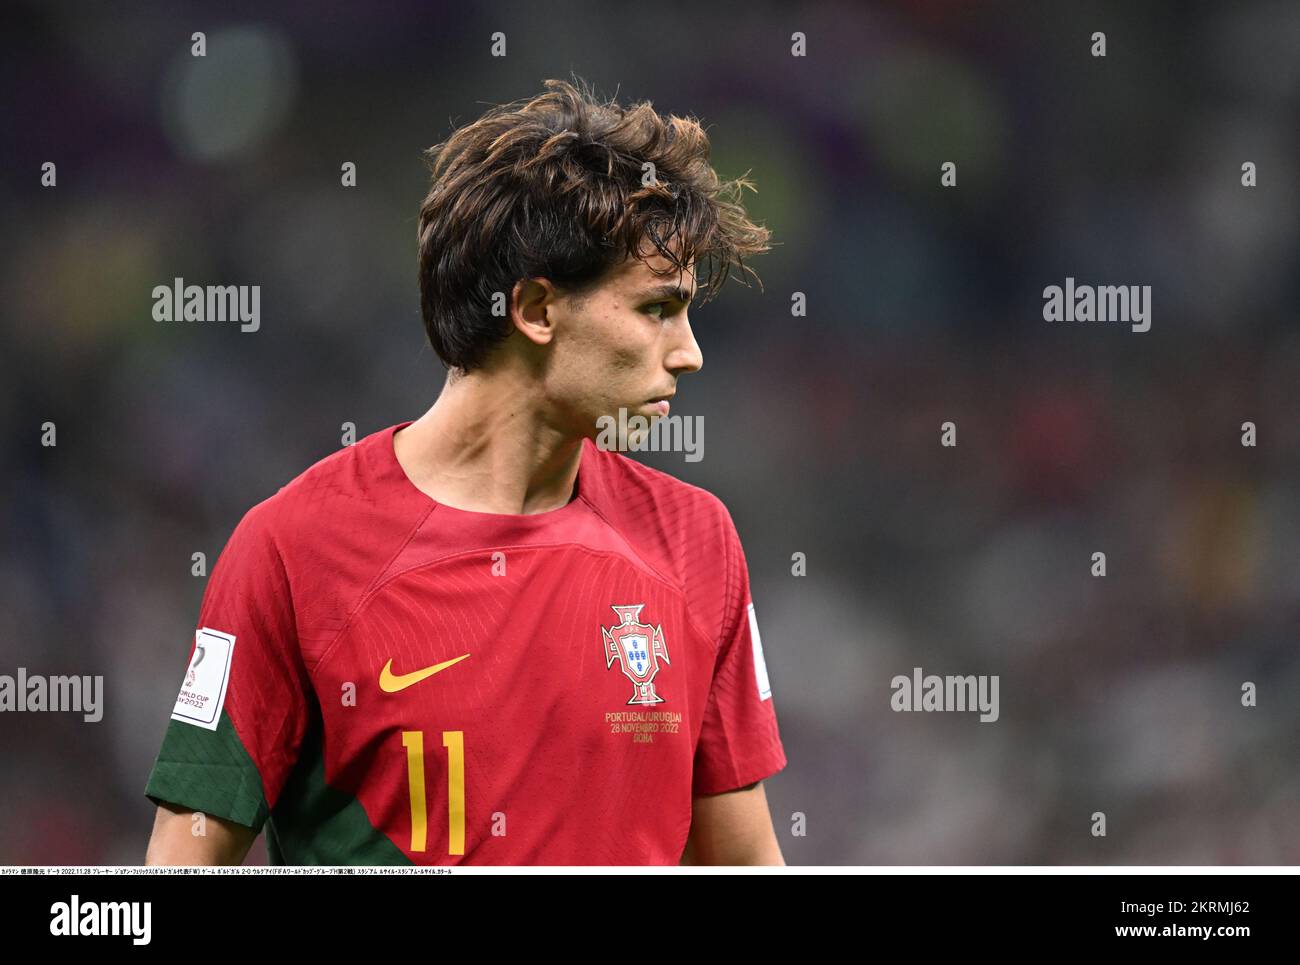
[(760, 665), (204, 691)]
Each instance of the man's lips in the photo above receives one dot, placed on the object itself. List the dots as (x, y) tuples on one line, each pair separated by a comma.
[(660, 403)]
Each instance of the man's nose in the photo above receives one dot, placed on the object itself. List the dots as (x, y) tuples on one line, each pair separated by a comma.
[(685, 355)]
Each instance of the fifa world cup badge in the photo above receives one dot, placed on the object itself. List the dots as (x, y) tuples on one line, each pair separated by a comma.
[(638, 647)]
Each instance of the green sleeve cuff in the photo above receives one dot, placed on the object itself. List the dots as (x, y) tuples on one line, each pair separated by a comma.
[(208, 771)]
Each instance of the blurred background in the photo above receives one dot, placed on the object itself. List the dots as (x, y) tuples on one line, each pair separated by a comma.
[(1119, 694)]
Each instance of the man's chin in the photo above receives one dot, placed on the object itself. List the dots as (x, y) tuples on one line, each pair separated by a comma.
[(626, 428)]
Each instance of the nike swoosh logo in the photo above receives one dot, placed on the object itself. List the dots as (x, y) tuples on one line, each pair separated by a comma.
[(391, 683)]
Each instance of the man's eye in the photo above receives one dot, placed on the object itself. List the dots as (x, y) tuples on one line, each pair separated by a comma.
[(662, 306)]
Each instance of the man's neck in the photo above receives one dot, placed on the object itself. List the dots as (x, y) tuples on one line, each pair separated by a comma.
[(480, 450)]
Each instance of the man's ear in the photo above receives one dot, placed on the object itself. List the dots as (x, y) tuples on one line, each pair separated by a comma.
[(532, 309)]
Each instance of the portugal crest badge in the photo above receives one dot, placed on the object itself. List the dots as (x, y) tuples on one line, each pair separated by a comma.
[(638, 647)]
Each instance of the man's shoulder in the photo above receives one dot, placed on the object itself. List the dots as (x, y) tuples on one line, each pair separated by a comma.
[(327, 533), (683, 530), (652, 497), (331, 496)]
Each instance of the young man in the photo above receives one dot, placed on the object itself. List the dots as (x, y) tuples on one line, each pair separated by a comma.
[(478, 638)]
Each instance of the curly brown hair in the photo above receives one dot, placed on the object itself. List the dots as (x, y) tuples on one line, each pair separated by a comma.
[(560, 186)]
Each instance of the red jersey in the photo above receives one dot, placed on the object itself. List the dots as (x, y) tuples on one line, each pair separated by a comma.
[(378, 678)]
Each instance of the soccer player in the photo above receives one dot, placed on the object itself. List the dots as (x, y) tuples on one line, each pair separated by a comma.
[(478, 637)]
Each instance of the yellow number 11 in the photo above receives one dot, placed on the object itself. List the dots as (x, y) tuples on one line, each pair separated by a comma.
[(454, 741)]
